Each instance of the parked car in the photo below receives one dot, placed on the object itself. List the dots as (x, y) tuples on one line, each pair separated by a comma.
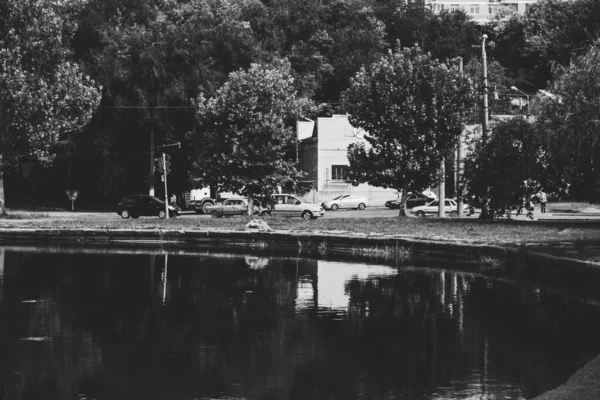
[(432, 207), (234, 206), (140, 205), (413, 200), (291, 206), (346, 201)]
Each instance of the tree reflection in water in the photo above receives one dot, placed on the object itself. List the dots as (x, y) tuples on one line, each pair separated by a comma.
[(201, 325)]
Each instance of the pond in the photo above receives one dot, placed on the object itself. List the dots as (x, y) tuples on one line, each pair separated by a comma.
[(152, 324)]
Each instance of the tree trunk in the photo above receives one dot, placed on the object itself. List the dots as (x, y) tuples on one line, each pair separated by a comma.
[(2, 202), (403, 197)]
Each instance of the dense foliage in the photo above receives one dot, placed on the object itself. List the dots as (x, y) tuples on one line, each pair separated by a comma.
[(412, 109), (569, 124), (245, 141), (506, 168), (152, 57), (43, 94)]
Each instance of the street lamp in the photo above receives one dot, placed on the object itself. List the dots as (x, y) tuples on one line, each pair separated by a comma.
[(484, 125), (522, 92)]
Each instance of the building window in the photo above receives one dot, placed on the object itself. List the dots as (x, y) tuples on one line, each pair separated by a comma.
[(339, 172), (474, 9), (454, 7), (437, 7), (493, 9)]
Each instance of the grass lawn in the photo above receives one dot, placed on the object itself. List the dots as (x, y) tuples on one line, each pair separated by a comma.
[(505, 232)]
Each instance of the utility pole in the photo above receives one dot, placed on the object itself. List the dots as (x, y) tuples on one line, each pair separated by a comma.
[(460, 163), (484, 125), (151, 183), (164, 162)]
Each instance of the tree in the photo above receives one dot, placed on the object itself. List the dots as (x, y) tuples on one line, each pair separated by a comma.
[(505, 168), (549, 34), (245, 140), (43, 94), (570, 123), (411, 108)]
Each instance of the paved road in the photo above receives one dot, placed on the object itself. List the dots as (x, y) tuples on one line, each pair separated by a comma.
[(555, 211)]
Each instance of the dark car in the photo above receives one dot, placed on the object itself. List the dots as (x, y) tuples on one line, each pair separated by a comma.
[(139, 205), (413, 200)]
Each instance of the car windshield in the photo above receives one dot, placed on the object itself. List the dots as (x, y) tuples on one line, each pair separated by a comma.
[(433, 203), (338, 198)]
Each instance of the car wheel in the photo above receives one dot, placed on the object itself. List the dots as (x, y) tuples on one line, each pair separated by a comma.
[(265, 212), (453, 214), (125, 214), (362, 206), (162, 214), (334, 207), (215, 214), (308, 214), (420, 214), (135, 215), (205, 205)]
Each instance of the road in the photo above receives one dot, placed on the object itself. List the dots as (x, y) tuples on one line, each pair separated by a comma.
[(555, 211)]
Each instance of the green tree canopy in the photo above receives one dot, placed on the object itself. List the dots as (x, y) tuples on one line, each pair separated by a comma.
[(506, 167), (531, 46), (411, 108), (570, 123), (43, 93), (245, 139)]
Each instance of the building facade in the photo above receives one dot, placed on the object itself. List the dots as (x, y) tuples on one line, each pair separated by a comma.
[(480, 11), (322, 155)]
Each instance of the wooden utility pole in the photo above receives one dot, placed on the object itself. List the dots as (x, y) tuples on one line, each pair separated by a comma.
[(460, 163), (164, 162), (151, 183)]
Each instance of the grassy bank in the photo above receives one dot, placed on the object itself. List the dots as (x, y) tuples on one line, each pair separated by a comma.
[(507, 232)]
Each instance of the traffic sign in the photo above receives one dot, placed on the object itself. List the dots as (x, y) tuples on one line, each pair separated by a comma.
[(72, 194)]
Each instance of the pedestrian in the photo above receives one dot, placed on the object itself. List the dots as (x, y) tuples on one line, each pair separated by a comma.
[(530, 208), (173, 200), (543, 200)]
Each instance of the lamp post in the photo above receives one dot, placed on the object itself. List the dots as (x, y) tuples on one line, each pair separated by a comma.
[(484, 125), (522, 92)]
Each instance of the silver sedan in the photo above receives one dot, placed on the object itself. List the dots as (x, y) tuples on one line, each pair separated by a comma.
[(346, 201)]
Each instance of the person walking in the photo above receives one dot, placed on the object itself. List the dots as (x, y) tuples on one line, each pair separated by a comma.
[(543, 200), (173, 200), (530, 208)]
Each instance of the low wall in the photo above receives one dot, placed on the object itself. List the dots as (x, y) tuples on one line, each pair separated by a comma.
[(494, 261)]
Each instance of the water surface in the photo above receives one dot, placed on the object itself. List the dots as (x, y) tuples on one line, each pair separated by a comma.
[(133, 325)]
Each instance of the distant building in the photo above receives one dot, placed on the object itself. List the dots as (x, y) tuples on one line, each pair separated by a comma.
[(322, 154), (480, 11)]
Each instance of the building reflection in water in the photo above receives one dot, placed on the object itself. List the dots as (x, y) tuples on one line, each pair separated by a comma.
[(187, 326)]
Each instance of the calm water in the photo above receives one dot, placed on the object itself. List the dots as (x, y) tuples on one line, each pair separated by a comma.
[(133, 325)]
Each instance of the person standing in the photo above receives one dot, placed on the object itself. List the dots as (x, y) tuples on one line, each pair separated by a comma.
[(543, 201), (173, 200)]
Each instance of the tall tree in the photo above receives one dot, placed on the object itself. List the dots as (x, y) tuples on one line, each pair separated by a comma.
[(505, 168), (570, 123), (411, 108), (43, 94), (245, 139)]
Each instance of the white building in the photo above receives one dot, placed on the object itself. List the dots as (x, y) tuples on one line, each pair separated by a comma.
[(480, 11), (323, 156)]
